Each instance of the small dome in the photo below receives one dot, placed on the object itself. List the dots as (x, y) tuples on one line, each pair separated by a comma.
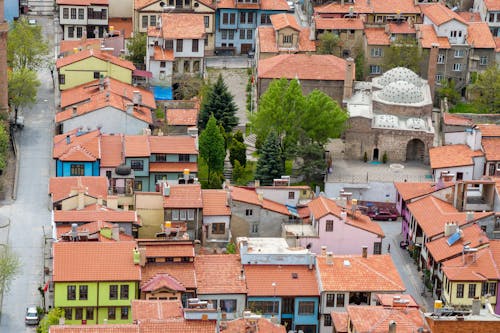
[(123, 170), (399, 74), (401, 92), (386, 121)]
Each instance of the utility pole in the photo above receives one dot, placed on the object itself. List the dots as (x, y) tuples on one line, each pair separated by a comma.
[(4, 97)]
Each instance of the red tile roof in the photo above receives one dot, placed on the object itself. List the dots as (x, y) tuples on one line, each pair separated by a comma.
[(376, 319), (136, 146), (82, 146), (82, 2), (182, 272), (261, 277), (94, 231), (322, 206), (428, 37), (492, 130), (161, 281), (394, 7), (121, 24), (226, 267), (440, 14), (139, 4), (397, 300), (182, 117), (67, 46), (470, 17), (268, 44), (105, 215), (491, 147), (182, 26), (107, 328), (339, 321), (264, 5), (178, 325), (303, 67), (183, 196), (456, 120), (479, 36), (143, 310), (371, 274), (60, 187), (104, 56), (402, 28), (282, 20), (263, 325), (338, 23), (172, 167), (112, 150), (492, 5), (452, 156), (410, 190), (160, 54), (497, 44), (95, 261), (432, 214), (359, 7), (249, 196), (169, 249), (377, 36), (173, 144), (215, 203)]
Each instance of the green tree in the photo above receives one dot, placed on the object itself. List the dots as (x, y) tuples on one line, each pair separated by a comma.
[(269, 165), (4, 145), (329, 44), (23, 87), (487, 90), (238, 152), (360, 66), (9, 267), (312, 163), (447, 89), (26, 46), (52, 318), (211, 146), (187, 86), (219, 103), (137, 48), (403, 52)]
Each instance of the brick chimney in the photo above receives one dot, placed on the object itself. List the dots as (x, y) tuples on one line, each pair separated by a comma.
[(431, 70), (349, 78), (4, 28)]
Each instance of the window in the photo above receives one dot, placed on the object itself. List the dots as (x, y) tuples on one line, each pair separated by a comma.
[(231, 34), (112, 313), (97, 75), (79, 32), (113, 291), (330, 300), (376, 52), (62, 78), (137, 185), (137, 165), (249, 34), (291, 195), (84, 292), (218, 228), (196, 65), (457, 67), (329, 225), (225, 18), (492, 289), (71, 32), (89, 315), (439, 78), (484, 288), (180, 44), (287, 305), (242, 17), (68, 313), (228, 305), (327, 320), (483, 60), (66, 13), (163, 64), (377, 248), (73, 13), (78, 313), (265, 18), (190, 214), (249, 212), (124, 313), (255, 228), (195, 45), (287, 39), (375, 69), (77, 170), (492, 17), (161, 157), (250, 18), (440, 59), (223, 34), (264, 307), (71, 292), (232, 18), (144, 22), (459, 53), (306, 308), (81, 13), (460, 175), (460, 290), (242, 33), (152, 21), (124, 291), (206, 21), (182, 214), (472, 290), (455, 33), (340, 300), (175, 214)]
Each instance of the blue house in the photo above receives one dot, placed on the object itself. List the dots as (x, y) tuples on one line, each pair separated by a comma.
[(288, 292), (236, 22)]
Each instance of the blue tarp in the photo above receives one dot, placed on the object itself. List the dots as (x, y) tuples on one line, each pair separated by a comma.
[(292, 210), (11, 10), (162, 93)]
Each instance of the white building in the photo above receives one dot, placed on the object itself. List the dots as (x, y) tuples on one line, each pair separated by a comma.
[(83, 18)]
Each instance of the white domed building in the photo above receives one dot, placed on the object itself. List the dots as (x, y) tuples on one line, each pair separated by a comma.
[(392, 115)]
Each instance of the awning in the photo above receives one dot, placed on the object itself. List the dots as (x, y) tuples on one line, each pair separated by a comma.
[(141, 73)]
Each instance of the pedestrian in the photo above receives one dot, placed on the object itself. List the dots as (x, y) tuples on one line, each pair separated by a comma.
[(388, 248)]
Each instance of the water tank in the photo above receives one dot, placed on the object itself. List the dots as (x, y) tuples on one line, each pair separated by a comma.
[(123, 170)]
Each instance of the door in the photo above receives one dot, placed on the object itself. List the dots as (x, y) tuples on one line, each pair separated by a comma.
[(245, 48), (375, 154)]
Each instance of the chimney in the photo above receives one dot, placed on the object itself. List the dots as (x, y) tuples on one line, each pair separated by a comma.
[(343, 215), (431, 70), (364, 252), (81, 199), (137, 98), (260, 196), (112, 202), (257, 183), (142, 256), (450, 228), (115, 232), (349, 77), (323, 250), (392, 326), (312, 30), (75, 110), (99, 200), (329, 258), (476, 306), (68, 139), (130, 108), (469, 216), (74, 231)]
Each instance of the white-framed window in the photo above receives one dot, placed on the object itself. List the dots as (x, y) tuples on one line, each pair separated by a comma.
[(459, 53), (439, 78), (375, 69), (483, 60), (144, 21), (455, 33), (81, 13), (457, 67), (287, 39), (66, 13), (376, 52), (152, 20), (175, 214), (190, 214), (440, 59), (255, 228), (182, 214)]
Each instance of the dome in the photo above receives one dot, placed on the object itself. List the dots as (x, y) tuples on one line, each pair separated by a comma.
[(399, 74), (123, 170), (401, 92)]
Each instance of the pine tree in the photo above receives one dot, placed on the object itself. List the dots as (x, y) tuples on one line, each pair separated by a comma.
[(219, 103), (211, 145), (270, 165)]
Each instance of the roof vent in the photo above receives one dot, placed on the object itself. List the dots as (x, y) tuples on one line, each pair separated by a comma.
[(347, 263), (295, 276)]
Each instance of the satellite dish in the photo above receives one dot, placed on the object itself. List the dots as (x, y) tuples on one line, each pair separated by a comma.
[(162, 4)]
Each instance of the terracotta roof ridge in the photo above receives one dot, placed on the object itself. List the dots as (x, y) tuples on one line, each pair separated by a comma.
[(378, 273), (492, 257)]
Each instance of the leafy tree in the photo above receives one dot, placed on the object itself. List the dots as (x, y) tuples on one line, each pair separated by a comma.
[(238, 152), (23, 86), (9, 266), (403, 52), (187, 86), (269, 165), (4, 149), (487, 90), (447, 89), (313, 164), (52, 318), (26, 46), (360, 65), (137, 48), (238, 136), (211, 145), (219, 103), (329, 44)]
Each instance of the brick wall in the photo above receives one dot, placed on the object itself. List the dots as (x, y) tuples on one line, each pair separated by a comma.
[(466, 326)]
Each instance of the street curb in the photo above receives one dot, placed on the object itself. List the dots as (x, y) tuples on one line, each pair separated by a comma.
[(16, 173)]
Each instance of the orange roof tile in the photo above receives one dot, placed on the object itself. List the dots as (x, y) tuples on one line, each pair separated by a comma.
[(491, 147), (377, 36), (456, 120), (440, 250), (439, 13), (107, 328), (492, 130), (182, 26), (428, 37), (432, 214), (104, 56), (479, 36), (67, 46), (82, 2), (261, 277), (303, 67), (178, 325), (60, 187), (168, 249), (262, 325), (112, 150), (359, 7), (394, 7), (497, 44), (250, 196), (376, 319), (182, 272), (82, 146), (105, 215), (267, 40), (215, 203), (484, 266), (322, 206), (161, 281), (397, 300), (402, 28), (94, 231), (338, 23), (339, 321), (282, 20), (227, 268), (182, 117), (374, 273), (264, 5), (492, 5), (137, 146), (94, 261), (172, 167), (121, 24), (139, 4), (470, 17), (411, 190), (156, 309), (173, 144), (161, 54), (452, 156), (184, 196)]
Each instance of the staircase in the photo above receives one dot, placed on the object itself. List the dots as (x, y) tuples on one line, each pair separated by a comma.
[(41, 7), (228, 170), (250, 143)]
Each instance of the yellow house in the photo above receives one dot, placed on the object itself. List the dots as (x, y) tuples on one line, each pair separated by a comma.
[(475, 274), (87, 65)]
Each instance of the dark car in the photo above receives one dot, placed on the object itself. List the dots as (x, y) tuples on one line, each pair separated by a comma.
[(383, 215)]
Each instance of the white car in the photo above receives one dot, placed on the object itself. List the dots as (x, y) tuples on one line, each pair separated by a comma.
[(31, 317), (32, 22)]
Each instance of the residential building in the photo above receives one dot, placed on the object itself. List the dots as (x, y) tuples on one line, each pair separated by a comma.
[(241, 325), (460, 160), (353, 280), (83, 18), (181, 116), (68, 193), (95, 282), (184, 206), (175, 47), (482, 53), (289, 195), (456, 128), (216, 230), (284, 35), (349, 31), (489, 10), (490, 142), (221, 282), (272, 251), (336, 227), (481, 320), (376, 44), (236, 23)]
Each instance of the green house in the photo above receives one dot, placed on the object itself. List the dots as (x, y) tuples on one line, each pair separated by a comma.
[(95, 282)]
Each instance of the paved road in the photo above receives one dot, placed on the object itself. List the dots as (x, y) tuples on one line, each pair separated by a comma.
[(29, 213)]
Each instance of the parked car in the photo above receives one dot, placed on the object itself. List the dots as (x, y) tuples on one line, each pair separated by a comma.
[(383, 215), (32, 317)]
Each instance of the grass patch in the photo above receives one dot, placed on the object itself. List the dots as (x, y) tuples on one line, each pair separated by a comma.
[(288, 167), (464, 108), (159, 114)]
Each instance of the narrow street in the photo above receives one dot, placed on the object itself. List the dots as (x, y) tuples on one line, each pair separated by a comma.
[(29, 214)]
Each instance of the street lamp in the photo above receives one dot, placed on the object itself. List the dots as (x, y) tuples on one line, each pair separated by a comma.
[(274, 284)]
